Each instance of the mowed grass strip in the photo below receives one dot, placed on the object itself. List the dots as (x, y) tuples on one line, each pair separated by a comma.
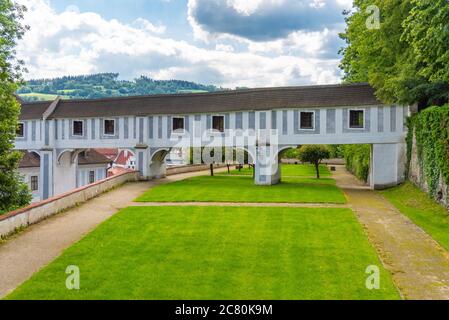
[(243, 189), (422, 210), (217, 253), (287, 170)]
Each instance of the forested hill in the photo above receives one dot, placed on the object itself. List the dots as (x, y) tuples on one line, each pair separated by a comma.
[(104, 85)]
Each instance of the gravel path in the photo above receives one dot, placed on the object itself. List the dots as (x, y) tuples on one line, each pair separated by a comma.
[(419, 265)]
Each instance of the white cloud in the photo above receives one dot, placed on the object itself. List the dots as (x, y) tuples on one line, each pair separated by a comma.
[(73, 43), (263, 20)]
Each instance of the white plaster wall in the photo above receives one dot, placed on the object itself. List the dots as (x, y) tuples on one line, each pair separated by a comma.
[(27, 173), (83, 173), (341, 136), (64, 174), (387, 165)]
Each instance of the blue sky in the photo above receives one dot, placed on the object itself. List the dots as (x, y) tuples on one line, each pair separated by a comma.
[(230, 43), (172, 13)]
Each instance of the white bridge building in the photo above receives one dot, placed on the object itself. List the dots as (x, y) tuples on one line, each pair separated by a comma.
[(151, 126)]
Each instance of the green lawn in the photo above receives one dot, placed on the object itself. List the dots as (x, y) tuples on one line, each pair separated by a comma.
[(422, 210), (288, 170), (217, 253), (243, 189)]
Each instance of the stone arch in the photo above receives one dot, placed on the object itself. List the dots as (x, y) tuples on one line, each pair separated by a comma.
[(158, 167), (283, 148), (251, 155)]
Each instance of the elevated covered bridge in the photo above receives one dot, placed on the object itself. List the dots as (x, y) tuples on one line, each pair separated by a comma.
[(261, 121)]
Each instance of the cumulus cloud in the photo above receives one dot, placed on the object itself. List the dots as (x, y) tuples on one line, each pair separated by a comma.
[(74, 43), (263, 20)]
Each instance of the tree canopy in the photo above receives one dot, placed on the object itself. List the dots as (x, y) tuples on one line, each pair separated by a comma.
[(314, 154), (406, 59), (104, 85), (13, 192)]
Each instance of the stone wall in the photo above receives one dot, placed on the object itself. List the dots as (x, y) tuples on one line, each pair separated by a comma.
[(39, 211), (416, 175)]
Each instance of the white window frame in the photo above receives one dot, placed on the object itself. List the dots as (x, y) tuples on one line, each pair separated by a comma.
[(104, 127), (212, 124), (313, 120), (20, 123), (179, 131), (89, 176), (349, 119), (73, 128)]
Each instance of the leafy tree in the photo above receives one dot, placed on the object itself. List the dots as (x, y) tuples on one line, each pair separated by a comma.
[(314, 154), (292, 153), (427, 32), (399, 59), (13, 192)]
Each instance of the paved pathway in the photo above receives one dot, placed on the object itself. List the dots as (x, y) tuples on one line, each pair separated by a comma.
[(420, 267), (28, 252)]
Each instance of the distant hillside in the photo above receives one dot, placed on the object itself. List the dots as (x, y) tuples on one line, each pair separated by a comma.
[(105, 85)]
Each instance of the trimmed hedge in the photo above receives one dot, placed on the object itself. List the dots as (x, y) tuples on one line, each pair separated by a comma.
[(431, 129), (357, 158)]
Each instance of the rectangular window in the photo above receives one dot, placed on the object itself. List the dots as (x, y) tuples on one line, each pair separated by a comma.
[(178, 124), (356, 119), (78, 129), (34, 183), (306, 120), (91, 177), (109, 127), (20, 132), (218, 123)]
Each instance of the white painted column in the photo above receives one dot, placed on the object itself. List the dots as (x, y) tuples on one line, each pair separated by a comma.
[(387, 165), (267, 168), (64, 173)]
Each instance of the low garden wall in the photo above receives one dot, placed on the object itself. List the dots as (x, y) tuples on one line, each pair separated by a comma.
[(15, 220)]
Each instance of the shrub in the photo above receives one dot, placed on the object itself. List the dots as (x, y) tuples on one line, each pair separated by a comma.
[(357, 159)]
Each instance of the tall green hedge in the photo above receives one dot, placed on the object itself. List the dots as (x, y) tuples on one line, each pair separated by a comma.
[(431, 128), (357, 159)]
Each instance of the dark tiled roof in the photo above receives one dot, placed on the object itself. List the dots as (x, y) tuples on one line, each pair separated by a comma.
[(30, 160), (226, 101), (92, 157), (33, 110)]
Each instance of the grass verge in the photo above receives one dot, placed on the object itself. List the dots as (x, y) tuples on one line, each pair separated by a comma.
[(217, 253), (422, 210)]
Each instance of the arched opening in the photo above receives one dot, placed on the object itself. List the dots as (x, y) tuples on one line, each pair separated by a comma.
[(158, 166)]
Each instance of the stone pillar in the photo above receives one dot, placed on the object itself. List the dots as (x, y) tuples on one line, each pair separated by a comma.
[(46, 174), (65, 171), (143, 161), (158, 166), (388, 163), (158, 169), (267, 168)]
